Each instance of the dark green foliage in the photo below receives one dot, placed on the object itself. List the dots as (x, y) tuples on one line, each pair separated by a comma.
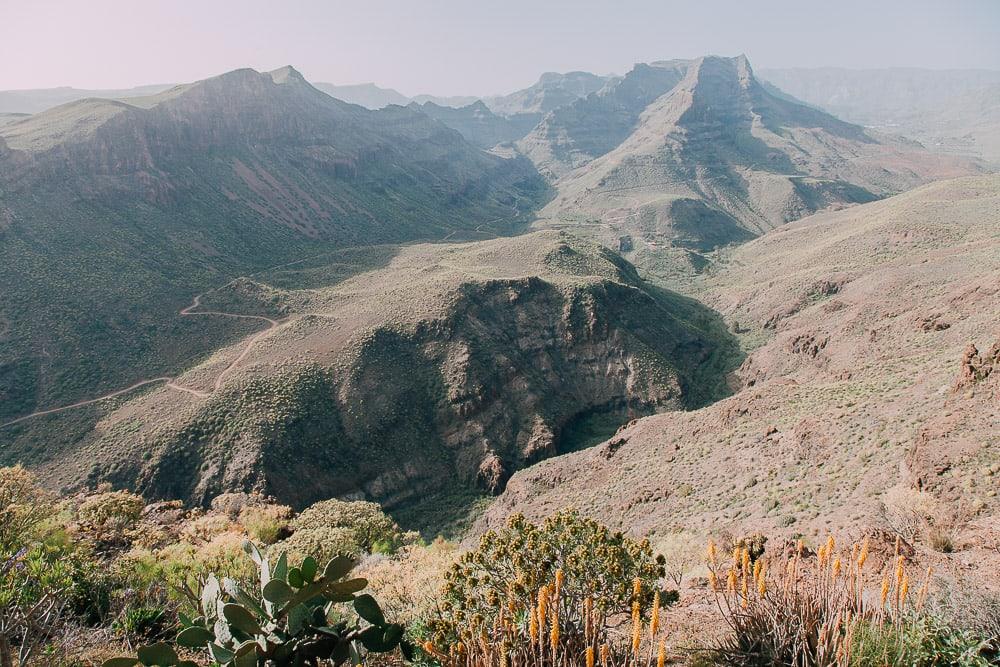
[(293, 620), (514, 562)]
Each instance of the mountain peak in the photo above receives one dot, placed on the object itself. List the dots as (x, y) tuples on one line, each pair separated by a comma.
[(287, 74)]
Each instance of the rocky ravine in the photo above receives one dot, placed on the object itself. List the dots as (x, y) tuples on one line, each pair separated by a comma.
[(863, 381), (453, 367)]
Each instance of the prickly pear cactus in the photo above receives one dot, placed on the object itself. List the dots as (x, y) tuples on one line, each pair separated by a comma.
[(287, 622)]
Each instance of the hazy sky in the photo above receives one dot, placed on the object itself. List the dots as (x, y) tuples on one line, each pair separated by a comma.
[(471, 46)]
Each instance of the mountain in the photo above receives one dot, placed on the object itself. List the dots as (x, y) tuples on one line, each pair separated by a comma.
[(552, 91), (479, 125), (590, 126), (947, 110), (716, 159), (875, 369), (367, 95), (371, 96), (447, 369), (114, 213), (40, 99)]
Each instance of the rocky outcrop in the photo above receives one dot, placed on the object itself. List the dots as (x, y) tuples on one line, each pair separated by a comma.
[(459, 381)]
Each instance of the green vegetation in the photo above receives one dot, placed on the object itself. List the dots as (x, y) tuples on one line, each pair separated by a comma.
[(293, 620), (179, 585)]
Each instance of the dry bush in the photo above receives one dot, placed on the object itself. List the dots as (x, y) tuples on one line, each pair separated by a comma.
[(111, 510), (265, 523), (908, 512), (409, 582), (23, 506), (822, 613), (206, 527), (682, 555)]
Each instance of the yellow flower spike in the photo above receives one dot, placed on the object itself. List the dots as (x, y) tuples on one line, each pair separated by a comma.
[(590, 656), (661, 654), (712, 553), (863, 556), (746, 559), (554, 635), (900, 572), (713, 582), (830, 545), (800, 547), (636, 588), (757, 568), (731, 581), (605, 655), (654, 622), (904, 588), (559, 583), (885, 591), (636, 628), (761, 587), (737, 556), (533, 626), (836, 567)]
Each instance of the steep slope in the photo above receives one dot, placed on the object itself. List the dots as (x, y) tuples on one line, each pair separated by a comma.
[(863, 380), (552, 91), (947, 110), (113, 214), (449, 369), (479, 125), (574, 134), (718, 160)]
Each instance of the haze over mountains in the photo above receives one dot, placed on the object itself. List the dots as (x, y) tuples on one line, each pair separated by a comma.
[(187, 189), (947, 110), (209, 282)]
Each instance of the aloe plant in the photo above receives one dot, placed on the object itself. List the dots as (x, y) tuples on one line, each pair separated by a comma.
[(289, 621)]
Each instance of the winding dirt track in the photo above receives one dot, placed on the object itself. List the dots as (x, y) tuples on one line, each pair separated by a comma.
[(171, 382), (188, 312)]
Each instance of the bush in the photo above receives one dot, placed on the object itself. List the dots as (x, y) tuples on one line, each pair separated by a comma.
[(111, 510), (408, 582), (205, 528), (820, 614), (288, 617), (326, 542), (367, 522), (23, 507), (682, 555), (140, 622), (35, 584), (265, 523), (557, 588)]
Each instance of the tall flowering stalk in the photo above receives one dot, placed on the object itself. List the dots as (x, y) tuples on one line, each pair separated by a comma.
[(807, 614)]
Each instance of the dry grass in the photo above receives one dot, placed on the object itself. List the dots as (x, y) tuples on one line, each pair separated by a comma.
[(810, 612)]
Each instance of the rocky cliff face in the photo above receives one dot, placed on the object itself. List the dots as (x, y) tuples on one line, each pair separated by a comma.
[(465, 369), (873, 367), (715, 158)]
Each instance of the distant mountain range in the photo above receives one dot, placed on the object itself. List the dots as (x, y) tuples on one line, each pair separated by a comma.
[(216, 286), (698, 154), (184, 190), (947, 110)]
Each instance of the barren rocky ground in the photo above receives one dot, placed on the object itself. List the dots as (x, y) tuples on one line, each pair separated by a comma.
[(862, 403)]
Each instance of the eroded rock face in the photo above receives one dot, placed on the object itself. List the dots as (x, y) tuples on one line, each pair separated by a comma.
[(464, 391)]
